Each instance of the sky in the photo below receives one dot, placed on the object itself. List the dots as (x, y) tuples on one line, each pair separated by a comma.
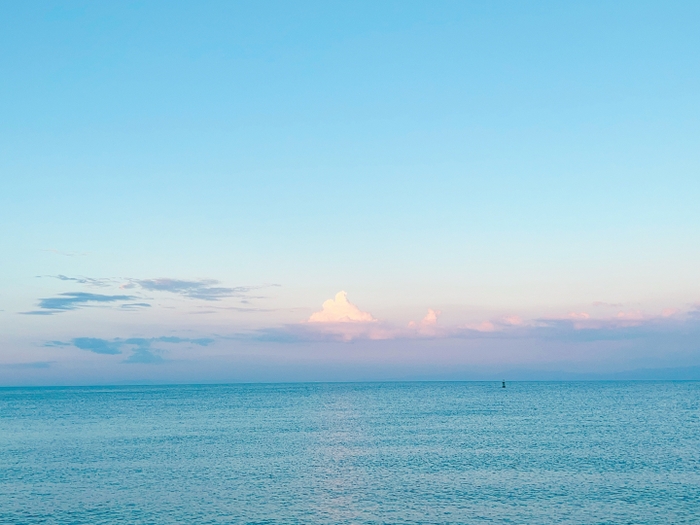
[(340, 191)]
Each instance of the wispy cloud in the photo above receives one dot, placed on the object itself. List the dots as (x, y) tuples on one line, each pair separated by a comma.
[(66, 254), (210, 290), (135, 306), (56, 343), (205, 289), (84, 280), (73, 300)]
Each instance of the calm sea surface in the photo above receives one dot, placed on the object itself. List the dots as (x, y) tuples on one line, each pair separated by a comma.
[(608, 452)]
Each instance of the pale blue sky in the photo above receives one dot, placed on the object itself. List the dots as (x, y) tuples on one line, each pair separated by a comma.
[(490, 160)]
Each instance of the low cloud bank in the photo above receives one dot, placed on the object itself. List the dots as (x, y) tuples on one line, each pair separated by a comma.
[(341, 320)]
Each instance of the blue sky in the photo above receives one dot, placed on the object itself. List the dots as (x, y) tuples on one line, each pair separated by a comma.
[(216, 171)]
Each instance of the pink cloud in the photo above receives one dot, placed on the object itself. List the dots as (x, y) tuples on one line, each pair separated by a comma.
[(430, 319), (428, 326), (340, 310)]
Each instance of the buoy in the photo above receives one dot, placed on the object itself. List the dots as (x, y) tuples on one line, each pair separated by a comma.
[(504, 384)]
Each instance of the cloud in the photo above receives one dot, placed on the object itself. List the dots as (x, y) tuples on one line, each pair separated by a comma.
[(84, 280), (431, 317), (340, 310), (141, 347), (135, 306), (56, 344), (202, 341), (31, 365), (66, 254), (74, 300), (98, 346), (143, 355), (428, 326), (205, 289), (678, 329)]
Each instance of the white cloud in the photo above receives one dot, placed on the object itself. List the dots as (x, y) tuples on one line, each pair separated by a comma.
[(340, 310)]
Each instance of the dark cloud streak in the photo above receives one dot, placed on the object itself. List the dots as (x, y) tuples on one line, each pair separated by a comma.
[(141, 347), (98, 346), (74, 300), (135, 306), (205, 289)]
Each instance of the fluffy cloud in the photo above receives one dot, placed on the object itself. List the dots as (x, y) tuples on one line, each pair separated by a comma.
[(340, 310), (431, 317)]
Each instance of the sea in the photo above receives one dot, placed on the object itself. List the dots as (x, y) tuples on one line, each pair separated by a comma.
[(352, 453)]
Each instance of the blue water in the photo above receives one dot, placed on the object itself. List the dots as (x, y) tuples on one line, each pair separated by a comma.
[(617, 452)]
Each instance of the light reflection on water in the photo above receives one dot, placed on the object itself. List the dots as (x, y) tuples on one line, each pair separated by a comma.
[(608, 452)]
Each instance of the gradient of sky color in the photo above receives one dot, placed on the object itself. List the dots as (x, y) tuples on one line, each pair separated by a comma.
[(179, 172)]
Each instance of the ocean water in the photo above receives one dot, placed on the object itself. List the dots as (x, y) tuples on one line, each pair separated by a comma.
[(467, 453)]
